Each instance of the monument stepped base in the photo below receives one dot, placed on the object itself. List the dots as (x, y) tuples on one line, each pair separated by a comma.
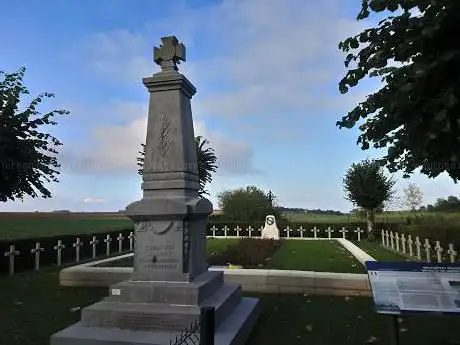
[(233, 330)]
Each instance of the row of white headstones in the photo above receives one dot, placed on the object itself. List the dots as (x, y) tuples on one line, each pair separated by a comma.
[(59, 247), (400, 243), (315, 231), (405, 244)]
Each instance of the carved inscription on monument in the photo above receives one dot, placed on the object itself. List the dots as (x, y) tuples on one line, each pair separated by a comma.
[(159, 247)]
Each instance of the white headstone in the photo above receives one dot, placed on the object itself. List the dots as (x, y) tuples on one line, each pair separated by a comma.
[(94, 243), (392, 242), (226, 230), (427, 247), (452, 253), (37, 251), (359, 231), (301, 230), (213, 230), (288, 232), (343, 231), (387, 238), (403, 243), (131, 240), (439, 251), (77, 246), (410, 242), (58, 248), (418, 244), (397, 242), (270, 229), (250, 230), (120, 239), (11, 254), (383, 237), (315, 232), (329, 231), (237, 229), (107, 241)]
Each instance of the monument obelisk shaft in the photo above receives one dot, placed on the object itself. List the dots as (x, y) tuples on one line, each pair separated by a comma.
[(171, 218)]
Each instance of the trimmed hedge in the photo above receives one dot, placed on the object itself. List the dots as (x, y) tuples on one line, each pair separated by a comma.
[(26, 260)]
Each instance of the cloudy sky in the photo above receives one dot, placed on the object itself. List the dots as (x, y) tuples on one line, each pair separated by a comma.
[(266, 72)]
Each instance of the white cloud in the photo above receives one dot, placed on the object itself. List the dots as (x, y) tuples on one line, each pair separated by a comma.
[(114, 148), (91, 200), (270, 55)]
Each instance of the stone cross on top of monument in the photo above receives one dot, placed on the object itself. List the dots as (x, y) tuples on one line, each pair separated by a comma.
[(169, 54)]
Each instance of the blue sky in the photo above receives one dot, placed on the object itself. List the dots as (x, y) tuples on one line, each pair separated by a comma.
[(266, 73)]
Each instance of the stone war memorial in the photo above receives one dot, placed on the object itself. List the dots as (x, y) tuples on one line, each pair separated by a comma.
[(171, 281)]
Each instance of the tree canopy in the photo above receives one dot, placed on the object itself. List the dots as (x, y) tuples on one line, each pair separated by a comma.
[(27, 155), (366, 185), (247, 204), (206, 162), (416, 114)]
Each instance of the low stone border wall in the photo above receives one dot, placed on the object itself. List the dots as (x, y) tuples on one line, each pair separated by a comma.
[(251, 280)]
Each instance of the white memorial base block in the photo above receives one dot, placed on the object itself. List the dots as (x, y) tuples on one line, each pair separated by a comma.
[(170, 282)]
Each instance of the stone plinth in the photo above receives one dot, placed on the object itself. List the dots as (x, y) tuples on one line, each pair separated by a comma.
[(170, 281)]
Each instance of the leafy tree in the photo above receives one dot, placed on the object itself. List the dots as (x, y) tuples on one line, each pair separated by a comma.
[(416, 112), (205, 157), (246, 204), (451, 204), (413, 196), (27, 154), (367, 187)]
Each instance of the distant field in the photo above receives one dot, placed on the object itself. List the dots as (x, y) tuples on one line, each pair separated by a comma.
[(19, 225), (391, 217), (29, 225)]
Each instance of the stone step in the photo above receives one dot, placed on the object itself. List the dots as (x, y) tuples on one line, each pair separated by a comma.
[(193, 293), (156, 316), (224, 301)]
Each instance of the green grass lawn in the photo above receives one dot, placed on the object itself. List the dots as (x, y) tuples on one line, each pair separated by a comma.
[(379, 253), (33, 306), (311, 255), (19, 228)]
